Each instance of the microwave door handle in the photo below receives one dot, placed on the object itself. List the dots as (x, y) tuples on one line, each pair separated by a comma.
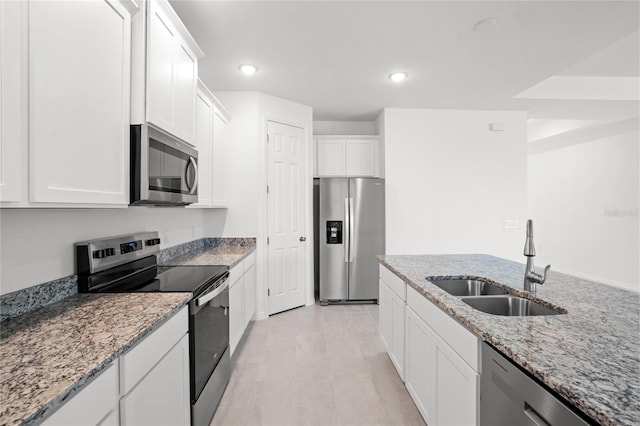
[(192, 188)]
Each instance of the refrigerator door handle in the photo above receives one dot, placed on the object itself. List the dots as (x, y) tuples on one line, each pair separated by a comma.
[(351, 230), (347, 236)]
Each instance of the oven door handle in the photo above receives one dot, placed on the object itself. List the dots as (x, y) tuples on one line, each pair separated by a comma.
[(215, 293)]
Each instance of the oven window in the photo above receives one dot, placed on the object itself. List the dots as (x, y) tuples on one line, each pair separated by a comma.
[(170, 170), (210, 338)]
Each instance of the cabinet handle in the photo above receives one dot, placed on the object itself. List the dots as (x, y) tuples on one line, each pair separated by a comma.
[(534, 416)]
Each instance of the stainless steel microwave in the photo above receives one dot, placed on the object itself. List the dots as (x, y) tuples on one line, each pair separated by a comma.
[(164, 169)]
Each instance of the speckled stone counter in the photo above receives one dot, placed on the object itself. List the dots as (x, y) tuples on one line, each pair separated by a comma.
[(228, 254), (47, 355), (590, 355)]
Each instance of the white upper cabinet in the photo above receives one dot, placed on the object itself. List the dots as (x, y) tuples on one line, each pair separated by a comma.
[(204, 142), (212, 138), (13, 102), (221, 141), (169, 55), (78, 120), (347, 156)]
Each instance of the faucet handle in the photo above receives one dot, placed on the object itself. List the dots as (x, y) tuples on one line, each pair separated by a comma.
[(537, 278), (546, 271)]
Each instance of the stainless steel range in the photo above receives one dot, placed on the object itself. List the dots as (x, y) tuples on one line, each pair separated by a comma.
[(127, 263)]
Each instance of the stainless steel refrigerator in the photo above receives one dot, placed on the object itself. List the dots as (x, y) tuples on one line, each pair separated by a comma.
[(351, 228)]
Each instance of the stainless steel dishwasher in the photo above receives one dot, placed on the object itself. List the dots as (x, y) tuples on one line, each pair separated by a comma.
[(508, 396)]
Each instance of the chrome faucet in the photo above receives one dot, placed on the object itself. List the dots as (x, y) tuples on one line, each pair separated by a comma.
[(531, 278)]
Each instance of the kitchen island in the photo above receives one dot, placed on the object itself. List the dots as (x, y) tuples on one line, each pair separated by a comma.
[(590, 356)]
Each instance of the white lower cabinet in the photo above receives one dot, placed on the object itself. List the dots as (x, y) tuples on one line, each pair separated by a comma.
[(96, 404), (456, 387), (418, 373), (249, 293), (242, 299), (392, 317), (442, 364), (439, 360), (162, 396), (236, 312), (149, 385)]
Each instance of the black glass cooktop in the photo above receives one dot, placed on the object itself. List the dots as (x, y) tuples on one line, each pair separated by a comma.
[(144, 275), (183, 278)]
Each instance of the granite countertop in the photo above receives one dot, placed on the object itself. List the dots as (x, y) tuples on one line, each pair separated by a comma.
[(228, 255), (48, 354), (590, 355)]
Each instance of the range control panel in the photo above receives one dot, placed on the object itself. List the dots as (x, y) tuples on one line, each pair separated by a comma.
[(97, 255)]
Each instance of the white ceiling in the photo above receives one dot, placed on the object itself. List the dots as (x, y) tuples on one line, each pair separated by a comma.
[(335, 56)]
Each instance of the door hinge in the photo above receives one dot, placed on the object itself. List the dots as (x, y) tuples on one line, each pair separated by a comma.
[(268, 292), (267, 189), (267, 137), (267, 240)]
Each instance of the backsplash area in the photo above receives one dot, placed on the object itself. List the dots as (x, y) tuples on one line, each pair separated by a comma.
[(31, 298)]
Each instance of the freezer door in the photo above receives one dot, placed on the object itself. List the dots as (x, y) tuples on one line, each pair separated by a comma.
[(367, 236), (333, 243)]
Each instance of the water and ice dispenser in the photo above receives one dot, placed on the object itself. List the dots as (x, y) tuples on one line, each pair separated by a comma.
[(334, 232)]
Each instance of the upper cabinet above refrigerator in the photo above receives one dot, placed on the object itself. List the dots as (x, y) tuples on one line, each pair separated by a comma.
[(347, 156), (164, 71)]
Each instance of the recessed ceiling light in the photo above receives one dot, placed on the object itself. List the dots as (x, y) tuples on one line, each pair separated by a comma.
[(248, 69), (485, 24), (398, 76)]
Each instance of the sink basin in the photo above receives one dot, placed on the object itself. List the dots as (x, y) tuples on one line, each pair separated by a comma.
[(508, 306), (468, 287)]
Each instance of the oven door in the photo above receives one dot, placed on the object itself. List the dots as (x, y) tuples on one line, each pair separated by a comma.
[(164, 169), (209, 335)]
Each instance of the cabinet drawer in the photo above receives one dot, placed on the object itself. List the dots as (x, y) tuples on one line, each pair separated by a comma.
[(92, 404), (249, 261), (135, 364), (236, 273), (462, 341), (394, 282)]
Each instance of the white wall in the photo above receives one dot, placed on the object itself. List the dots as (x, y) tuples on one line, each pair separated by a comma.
[(344, 128), (247, 213), (583, 197), (36, 245), (450, 182)]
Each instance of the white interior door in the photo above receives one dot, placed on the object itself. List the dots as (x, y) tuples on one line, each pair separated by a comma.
[(286, 217)]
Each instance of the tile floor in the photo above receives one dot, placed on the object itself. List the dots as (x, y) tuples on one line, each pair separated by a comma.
[(317, 365)]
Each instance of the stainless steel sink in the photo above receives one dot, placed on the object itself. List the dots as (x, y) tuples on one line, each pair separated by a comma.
[(468, 287), (508, 306)]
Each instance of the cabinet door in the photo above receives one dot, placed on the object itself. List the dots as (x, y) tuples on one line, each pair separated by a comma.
[(14, 161), (221, 140), (204, 140), (418, 374), (185, 83), (457, 384), (392, 326), (398, 314), (161, 47), (162, 396), (236, 313), (361, 157), (331, 157), (385, 316), (249, 294), (79, 77), (171, 77), (96, 404)]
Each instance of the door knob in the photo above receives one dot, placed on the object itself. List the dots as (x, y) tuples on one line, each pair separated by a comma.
[(303, 238)]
